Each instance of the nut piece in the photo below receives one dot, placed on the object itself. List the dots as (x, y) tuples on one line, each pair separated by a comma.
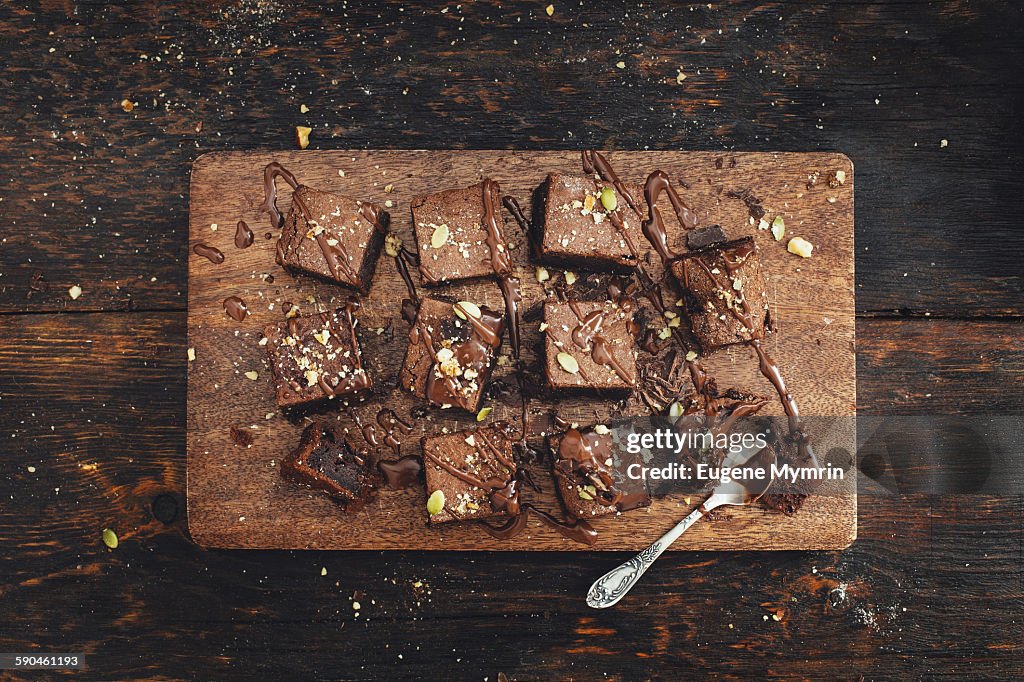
[(191, 354), (302, 136), (568, 363), (601, 430), (691, 356), (778, 228), (252, 376), (608, 198), (440, 236), (484, 413), (392, 244), (570, 277), (435, 503), (463, 308), (74, 292), (109, 538), (800, 247), (675, 409), (543, 275)]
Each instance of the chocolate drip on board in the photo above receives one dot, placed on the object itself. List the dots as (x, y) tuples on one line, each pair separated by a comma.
[(210, 253), (401, 473), (244, 236), (235, 308)]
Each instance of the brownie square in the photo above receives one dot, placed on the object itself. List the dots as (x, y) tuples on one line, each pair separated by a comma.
[(450, 357), (324, 461), (475, 470), (724, 293), (315, 358), (595, 343), (591, 469), (577, 229), (333, 237), (453, 232)]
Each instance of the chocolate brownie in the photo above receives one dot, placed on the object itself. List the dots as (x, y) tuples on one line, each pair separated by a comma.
[(332, 236), (724, 293), (324, 461), (475, 472), (452, 351), (591, 469), (589, 345), (317, 357), (579, 229), (458, 233)]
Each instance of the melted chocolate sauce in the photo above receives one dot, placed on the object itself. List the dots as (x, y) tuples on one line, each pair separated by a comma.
[(580, 531), (210, 253), (243, 235), (402, 473), (273, 171), (235, 308)]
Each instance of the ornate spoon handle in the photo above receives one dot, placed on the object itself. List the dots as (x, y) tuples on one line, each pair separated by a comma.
[(613, 585)]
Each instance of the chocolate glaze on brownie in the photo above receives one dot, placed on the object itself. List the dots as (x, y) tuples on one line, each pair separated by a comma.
[(458, 233), (327, 235), (590, 470), (577, 229), (725, 293), (598, 336), (451, 353), (324, 461), (475, 470), (317, 357)]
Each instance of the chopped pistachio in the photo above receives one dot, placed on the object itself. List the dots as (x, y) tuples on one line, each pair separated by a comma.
[(568, 363), (778, 228), (570, 277), (74, 292), (664, 333), (109, 538), (584, 495), (543, 275), (440, 236), (691, 356), (608, 198), (252, 376), (463, 308), (435, 503), (550, 9), (675, 409), (484, 413)]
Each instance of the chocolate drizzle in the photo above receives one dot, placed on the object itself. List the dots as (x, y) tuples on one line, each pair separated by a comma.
[(235, 308), (243, 235), (338, 260), (210, 253), (580, 531)]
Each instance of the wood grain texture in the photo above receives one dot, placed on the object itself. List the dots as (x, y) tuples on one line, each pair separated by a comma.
[(108, 449), (883, 82), (236, 497), (96, 196)]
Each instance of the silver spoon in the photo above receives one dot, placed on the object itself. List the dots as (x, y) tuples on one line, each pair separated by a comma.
[(613, 585)]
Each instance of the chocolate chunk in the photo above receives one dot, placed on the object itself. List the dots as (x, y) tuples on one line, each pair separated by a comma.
[(589, 345), (325, 461), (725, 293), (475, 471), (705, 236), (315, 358), (577, 228)]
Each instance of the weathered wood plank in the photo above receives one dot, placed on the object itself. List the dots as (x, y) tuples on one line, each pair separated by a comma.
[(80, 178), (112, 388)]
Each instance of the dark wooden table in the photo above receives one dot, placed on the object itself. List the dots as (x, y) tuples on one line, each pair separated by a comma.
[(925, 97)]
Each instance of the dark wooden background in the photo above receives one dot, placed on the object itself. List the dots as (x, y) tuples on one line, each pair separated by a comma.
[(92, 391)]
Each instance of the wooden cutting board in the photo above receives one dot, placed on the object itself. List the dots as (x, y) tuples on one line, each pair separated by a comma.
[(236, 497)]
